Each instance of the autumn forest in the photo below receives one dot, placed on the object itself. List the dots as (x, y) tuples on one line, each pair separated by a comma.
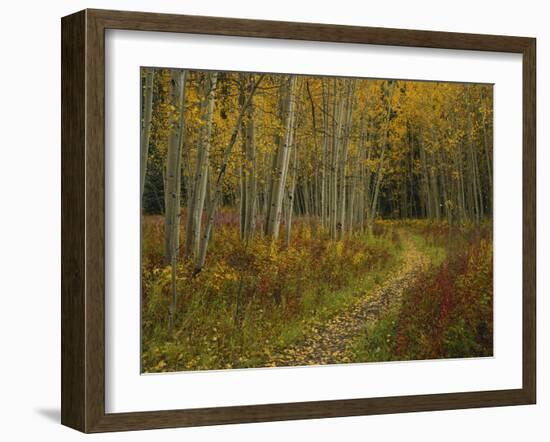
[(292, 220)]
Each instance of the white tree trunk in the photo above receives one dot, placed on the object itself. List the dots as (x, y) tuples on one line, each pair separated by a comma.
[(291, 197), (248, 169), (146, 124), (173, 184), (196, 204), (380, 172), (218, 189), (281, 168), (345, 134)]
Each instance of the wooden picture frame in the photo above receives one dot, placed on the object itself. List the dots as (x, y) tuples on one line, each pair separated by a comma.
[(83, 220)]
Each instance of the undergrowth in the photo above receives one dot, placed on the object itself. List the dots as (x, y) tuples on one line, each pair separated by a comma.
[(253, 299), (448, 311)]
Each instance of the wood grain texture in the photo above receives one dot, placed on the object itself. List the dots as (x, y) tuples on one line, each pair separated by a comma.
[(73, 129), (95, 221), (145, 21), (529, 220), (83, 220)]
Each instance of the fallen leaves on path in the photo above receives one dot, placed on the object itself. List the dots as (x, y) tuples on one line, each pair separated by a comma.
[(330, 343)]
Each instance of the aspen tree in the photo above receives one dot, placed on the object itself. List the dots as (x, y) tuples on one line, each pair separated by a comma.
[(217, 191), (384, 142), (292, 185), (173, 182), (248, 170), (326, 140), (363, 152), (337, 111), (281, 167), (345, 134), (200, 183), (146, 124)]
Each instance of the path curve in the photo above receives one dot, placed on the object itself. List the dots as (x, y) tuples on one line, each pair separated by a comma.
[(331, 343)]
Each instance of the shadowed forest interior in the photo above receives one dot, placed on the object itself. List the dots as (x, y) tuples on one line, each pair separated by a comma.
[(293, 220)]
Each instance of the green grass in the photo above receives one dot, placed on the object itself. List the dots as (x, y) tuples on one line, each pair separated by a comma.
[(376, 345), (435, 252)]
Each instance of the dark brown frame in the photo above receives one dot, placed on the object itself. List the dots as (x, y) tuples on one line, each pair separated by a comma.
[(83, 215)]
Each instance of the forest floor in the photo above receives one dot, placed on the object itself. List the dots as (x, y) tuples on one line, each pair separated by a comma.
[(413, 290), (332, 342)]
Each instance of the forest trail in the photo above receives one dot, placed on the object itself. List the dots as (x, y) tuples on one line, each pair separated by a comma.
[(331, 343)]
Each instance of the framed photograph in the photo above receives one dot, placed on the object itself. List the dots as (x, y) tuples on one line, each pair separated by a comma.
[(267, 221)]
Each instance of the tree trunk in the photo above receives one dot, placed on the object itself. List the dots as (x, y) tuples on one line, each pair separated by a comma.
[(324, 205), (380, 172), (336, 141), (291, 197), (173, 175), (173, 184), (248, 170), (346, 130), (213, 204), (198, 196), (281, 167), (147, 107)]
